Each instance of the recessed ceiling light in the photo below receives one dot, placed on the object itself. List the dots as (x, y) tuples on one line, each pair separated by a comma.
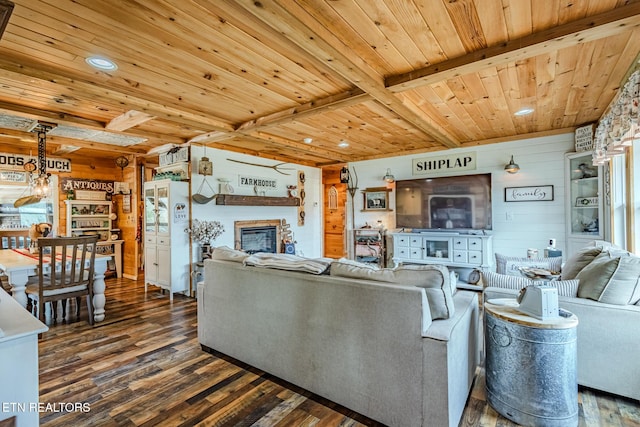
[(308, 140), (101, 63), (343, 144), (523, 111)]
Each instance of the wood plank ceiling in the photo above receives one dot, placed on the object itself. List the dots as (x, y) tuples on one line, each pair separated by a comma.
[(387, 77)]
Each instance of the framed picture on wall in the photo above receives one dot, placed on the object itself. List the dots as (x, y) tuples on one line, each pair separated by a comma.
[(376, 199)]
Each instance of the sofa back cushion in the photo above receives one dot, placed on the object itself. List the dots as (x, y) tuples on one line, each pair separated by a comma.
[(510, 265), (435, 279), (578, 261), (611, 278)]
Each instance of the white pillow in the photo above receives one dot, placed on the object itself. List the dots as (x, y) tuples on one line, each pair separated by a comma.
[(510, 265), (225, 253), (566, 288)]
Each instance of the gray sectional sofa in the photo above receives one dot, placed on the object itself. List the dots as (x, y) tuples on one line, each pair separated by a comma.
[(368, 345), (602, 287)]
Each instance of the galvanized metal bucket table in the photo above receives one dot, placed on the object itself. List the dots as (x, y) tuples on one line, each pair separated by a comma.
[(530, 366)]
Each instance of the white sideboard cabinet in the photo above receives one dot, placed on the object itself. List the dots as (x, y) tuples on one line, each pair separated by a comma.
[(455, 250), (166, 244)]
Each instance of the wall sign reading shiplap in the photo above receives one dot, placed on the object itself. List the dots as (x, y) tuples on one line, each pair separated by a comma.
[(448, 163)]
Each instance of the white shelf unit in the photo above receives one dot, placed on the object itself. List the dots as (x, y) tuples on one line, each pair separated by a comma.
[(585, 214), (89, 217), (166, 252)]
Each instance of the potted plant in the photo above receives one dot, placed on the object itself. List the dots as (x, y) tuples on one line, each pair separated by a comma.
[(205, 232)]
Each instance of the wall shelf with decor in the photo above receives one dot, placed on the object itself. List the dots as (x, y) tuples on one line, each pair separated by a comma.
[(238, 200)]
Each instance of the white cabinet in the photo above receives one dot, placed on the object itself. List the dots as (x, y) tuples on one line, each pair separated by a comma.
[(585, 214), (166, 244), (450, 249), (89, 217)]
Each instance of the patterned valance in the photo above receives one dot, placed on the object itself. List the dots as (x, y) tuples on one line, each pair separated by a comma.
[(619, 127)]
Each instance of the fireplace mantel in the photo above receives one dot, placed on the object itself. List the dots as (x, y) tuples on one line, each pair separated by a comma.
[(239, 200)]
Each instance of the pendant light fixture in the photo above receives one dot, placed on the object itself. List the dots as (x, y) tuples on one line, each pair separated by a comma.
[(512, 167), (388, 177), (41, 184)]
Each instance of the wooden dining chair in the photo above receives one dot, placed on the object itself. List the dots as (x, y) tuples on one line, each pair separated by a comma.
[(12, 239), (65, 270)]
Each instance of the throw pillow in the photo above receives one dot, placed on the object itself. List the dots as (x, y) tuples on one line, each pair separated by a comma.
[(578, 261), (611, 279), (510, 265), (567, 288), (288, 262), (227, 254), (434, 278)]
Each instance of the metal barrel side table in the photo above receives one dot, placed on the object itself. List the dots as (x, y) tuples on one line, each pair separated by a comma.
[(530, 366)]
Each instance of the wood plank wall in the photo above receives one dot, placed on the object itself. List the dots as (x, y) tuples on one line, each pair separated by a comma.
[(99, 169), (334, 220)]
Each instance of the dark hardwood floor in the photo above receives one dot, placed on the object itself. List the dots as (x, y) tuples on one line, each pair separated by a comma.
[(143, 366)]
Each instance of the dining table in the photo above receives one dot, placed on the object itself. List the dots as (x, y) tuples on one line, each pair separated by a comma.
[(20, 264)]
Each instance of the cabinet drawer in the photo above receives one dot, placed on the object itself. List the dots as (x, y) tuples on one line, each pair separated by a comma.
[(474, 244), (460, 243), (164, 241), (460, 256), (415, 253), (475, 257), (401, 241), (150, 239), (415, 242), (401, 253)]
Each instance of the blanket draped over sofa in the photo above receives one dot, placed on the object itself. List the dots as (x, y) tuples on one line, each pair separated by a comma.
[(369, 346)]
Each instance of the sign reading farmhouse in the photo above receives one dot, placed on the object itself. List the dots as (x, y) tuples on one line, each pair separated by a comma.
[(528, 194), (256, 181), (450, 163)]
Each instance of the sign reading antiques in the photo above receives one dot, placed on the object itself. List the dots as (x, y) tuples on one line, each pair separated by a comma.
[(449, 163), (75, 184), (16, 162)]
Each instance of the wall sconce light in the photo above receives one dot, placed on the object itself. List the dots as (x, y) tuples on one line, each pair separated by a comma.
[(388, 176), (344, 175), (512, 167)]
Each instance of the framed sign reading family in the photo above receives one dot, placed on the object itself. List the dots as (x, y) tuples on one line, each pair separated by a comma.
[(528, 194)]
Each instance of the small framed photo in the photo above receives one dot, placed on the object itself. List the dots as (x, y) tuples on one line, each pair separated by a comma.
[(376, 199)]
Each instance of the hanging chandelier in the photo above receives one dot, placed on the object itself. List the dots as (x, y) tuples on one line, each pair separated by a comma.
[(41, 184)]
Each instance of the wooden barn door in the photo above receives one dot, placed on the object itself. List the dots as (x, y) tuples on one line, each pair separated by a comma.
[(334, 212)]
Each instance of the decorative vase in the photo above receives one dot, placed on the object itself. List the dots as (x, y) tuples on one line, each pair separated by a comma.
[(205, 251)]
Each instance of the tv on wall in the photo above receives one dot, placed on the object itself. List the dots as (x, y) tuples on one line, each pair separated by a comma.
[(454, 202)]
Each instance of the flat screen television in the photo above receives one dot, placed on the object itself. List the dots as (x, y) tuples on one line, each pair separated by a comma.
[(454, 202)]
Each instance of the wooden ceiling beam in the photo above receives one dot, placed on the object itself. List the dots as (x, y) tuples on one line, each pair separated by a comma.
[(294, 23), (28, 138), (20, 71), (619, 20), (312, 108), (128, 120), (300, 146)]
